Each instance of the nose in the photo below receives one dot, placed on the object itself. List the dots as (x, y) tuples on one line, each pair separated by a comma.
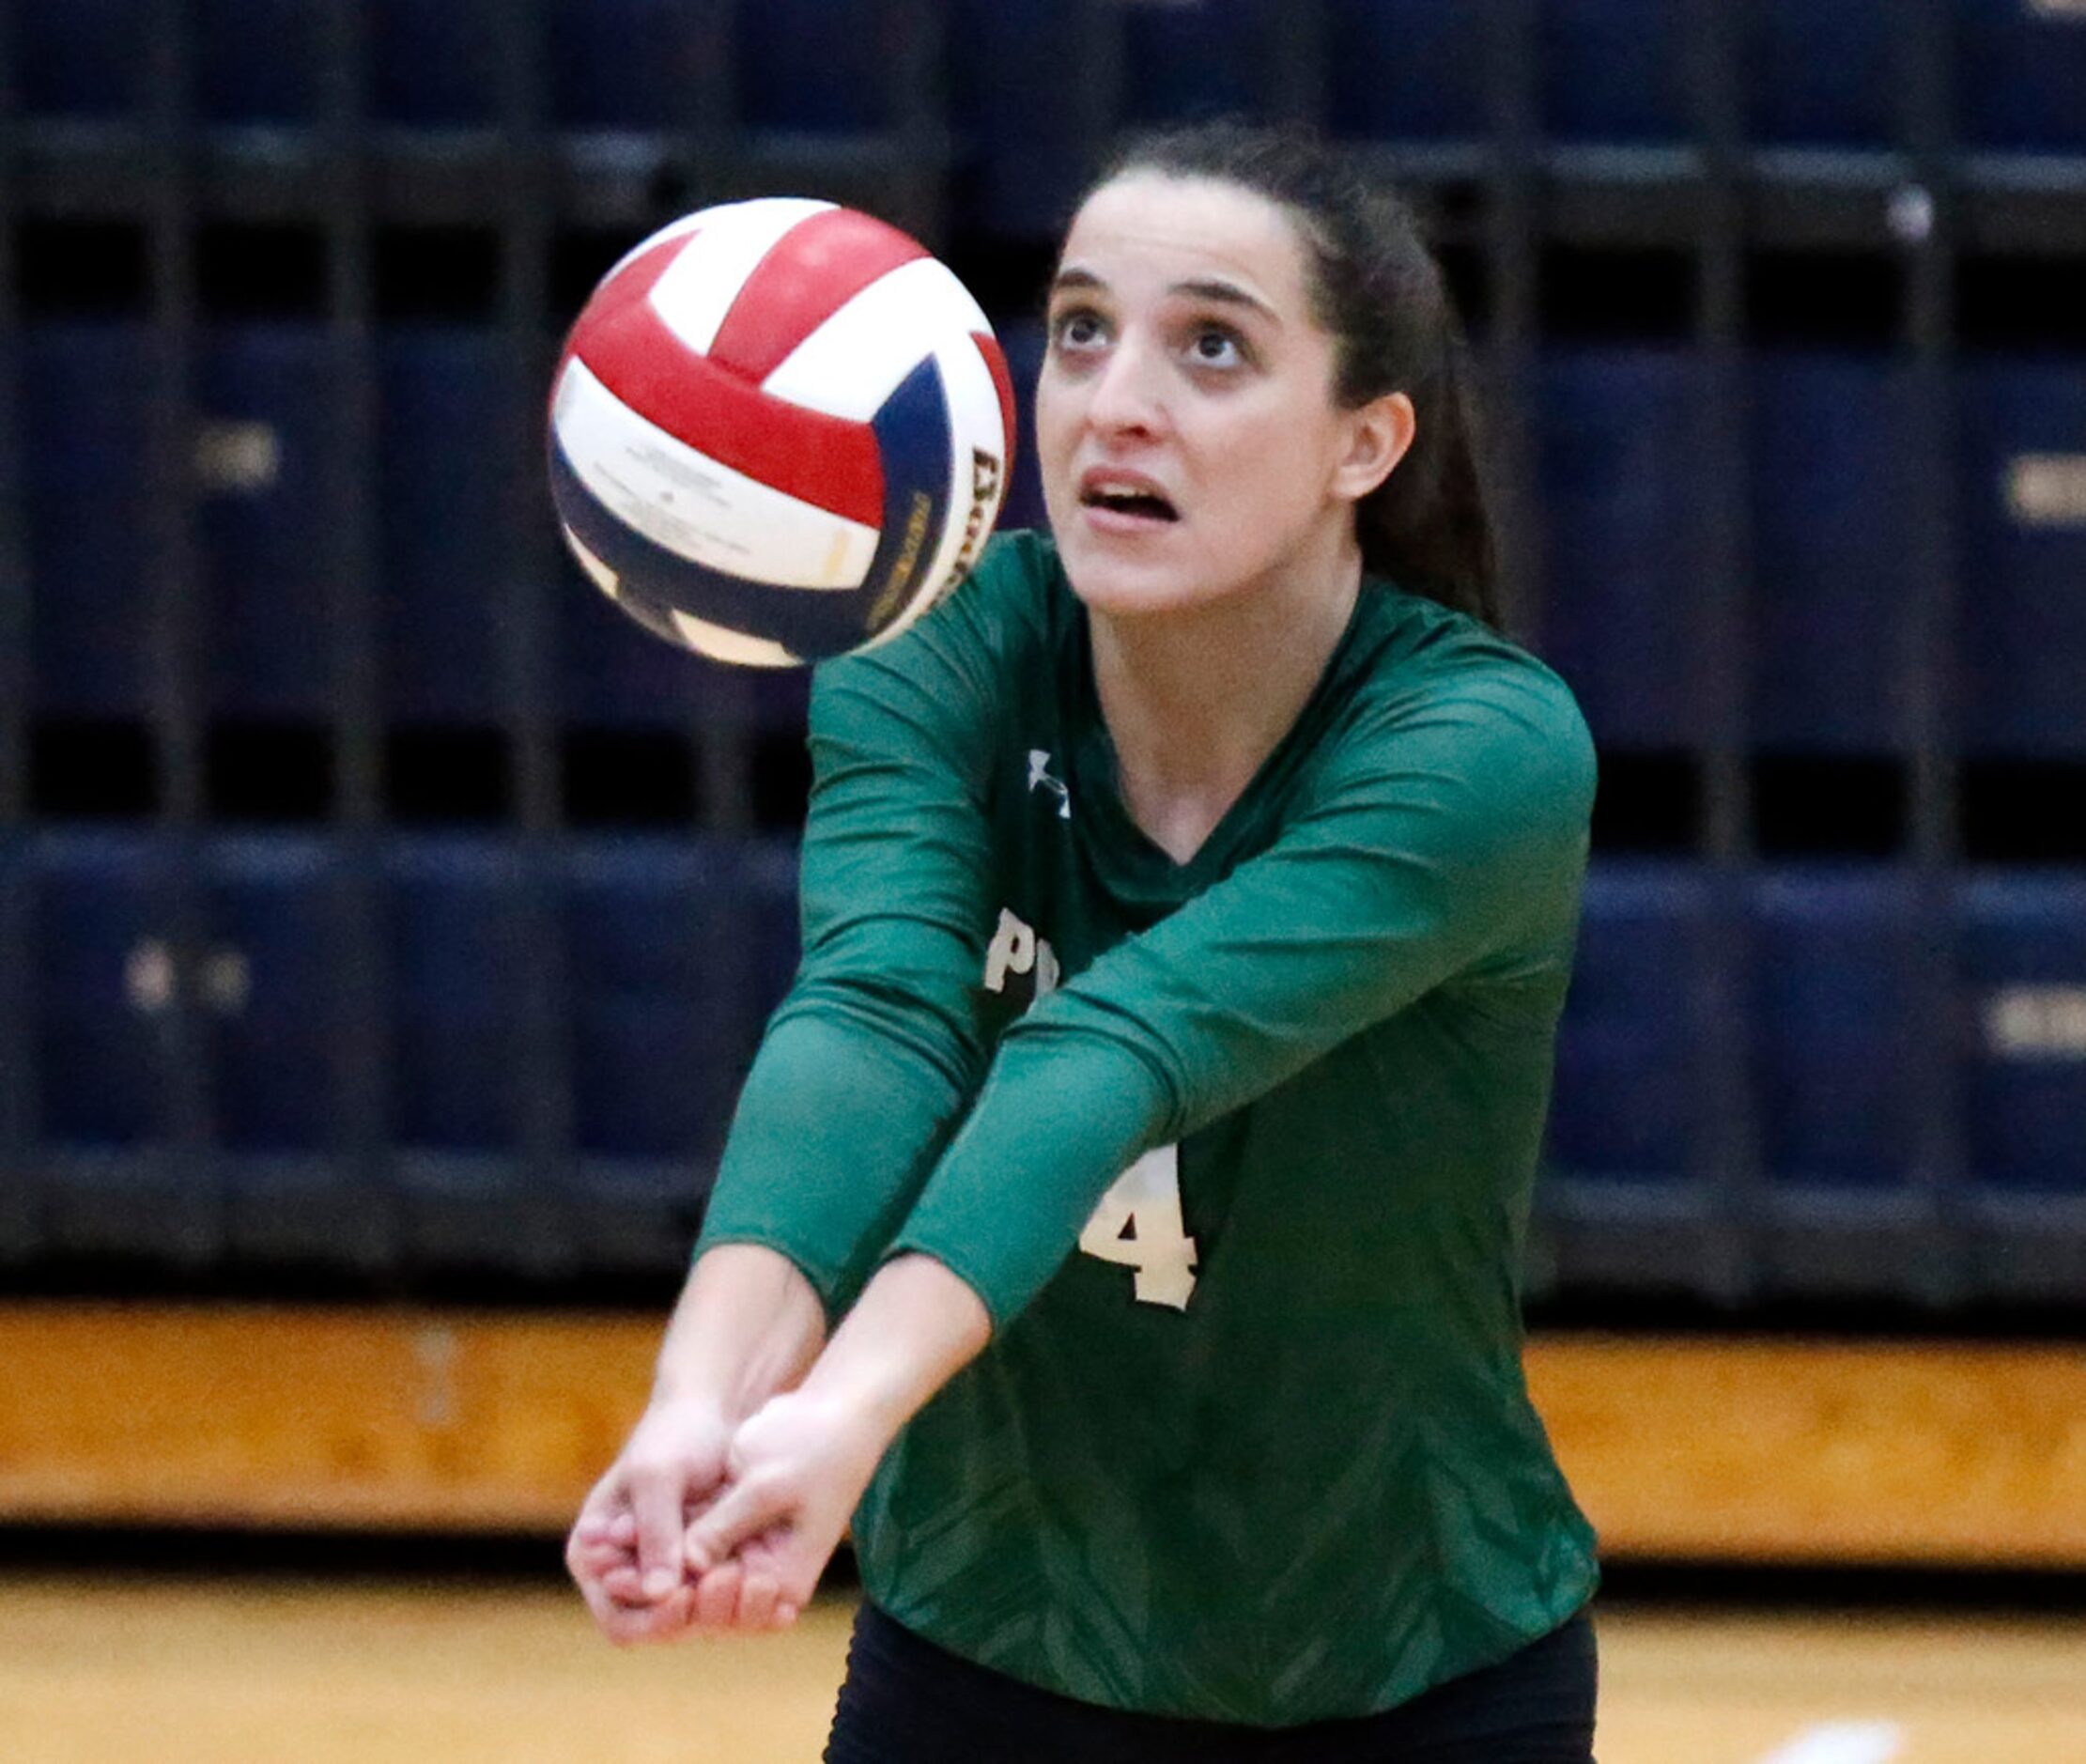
[(1127, 394)]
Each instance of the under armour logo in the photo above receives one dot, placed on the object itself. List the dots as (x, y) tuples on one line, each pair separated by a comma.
[(1039, 762)]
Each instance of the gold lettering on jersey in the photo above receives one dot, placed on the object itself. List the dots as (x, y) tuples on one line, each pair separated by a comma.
[(904, 570), (1015, 949)]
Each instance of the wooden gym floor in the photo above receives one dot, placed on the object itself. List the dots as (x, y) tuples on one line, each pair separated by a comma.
[(97, 1667)]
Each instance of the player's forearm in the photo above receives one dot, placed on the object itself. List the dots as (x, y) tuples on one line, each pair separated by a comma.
[(748, 1325), (915, 1327)]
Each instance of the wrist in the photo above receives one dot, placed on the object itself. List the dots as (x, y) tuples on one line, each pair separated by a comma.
[(749, 1325)]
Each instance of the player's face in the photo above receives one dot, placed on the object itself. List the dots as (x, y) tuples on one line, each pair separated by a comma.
[(1190, 446)]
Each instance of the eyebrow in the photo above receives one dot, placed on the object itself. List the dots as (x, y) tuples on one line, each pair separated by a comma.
[(1203, 287)]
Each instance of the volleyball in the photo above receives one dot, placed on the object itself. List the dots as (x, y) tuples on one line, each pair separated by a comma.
[(780, 430)]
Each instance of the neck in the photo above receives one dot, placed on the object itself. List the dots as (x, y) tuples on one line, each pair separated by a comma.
[(1196, 701)]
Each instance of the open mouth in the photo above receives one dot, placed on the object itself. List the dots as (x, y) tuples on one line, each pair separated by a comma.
[(1138, 504)]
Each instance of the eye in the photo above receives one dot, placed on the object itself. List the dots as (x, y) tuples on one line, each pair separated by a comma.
[(1217, 345), (1077, 328)]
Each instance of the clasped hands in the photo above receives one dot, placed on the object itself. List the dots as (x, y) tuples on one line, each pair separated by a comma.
[(701, 1525), (724, 1509)]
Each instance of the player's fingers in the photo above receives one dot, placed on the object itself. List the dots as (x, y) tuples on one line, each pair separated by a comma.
[(656, 1499), (623, 1584), (758, 1593), (743, 1511), (592, 1561), (622, 1528), (717, 1595), (652, 1621)]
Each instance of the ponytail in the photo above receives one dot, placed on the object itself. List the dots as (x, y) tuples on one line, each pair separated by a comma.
[(1427, 527)]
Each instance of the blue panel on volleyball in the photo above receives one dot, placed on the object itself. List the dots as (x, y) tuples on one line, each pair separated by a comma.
[(1021, 146), (257, 61), (435, 65), (457, 960), (1837, 1021), (1833, 549), (2020, 75), (1621, 494), (1614, 70), (1408, 70), (1820, 76), (103, 978), (264, 403), (2024, 972), (86, 402), (443, 395), (1627, 1104), (840, 90), (628, 64), (82, 58), (2022, 633)]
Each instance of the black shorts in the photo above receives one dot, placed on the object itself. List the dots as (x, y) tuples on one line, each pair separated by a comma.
[(907, 1701)]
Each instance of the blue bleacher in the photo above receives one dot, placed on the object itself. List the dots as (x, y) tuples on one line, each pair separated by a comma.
[(444, 397), (1836, 1022), (1819, 76), (435, 65), (265, 401), (2022, 634), (1407, 70), (258, 61), (1025, 341), (1832, 556), (460, 951), (1614, 71), (85, 415), (276, 1002), (1620, 488), (2024, 969), (626, 64), (20, 1204), (1627, 1102), (649, 927), (2021, 75), (676, 952), (1023, 162), (96, 912), (104, 989), (841, 89), (81, 58), (1187, 61)]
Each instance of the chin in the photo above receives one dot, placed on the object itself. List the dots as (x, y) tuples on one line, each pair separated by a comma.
[(1122, 589)]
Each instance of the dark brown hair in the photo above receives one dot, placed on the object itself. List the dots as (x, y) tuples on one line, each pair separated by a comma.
[(1379, 292)]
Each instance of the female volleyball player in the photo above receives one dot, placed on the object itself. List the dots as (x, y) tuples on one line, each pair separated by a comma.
[(1188, 908)]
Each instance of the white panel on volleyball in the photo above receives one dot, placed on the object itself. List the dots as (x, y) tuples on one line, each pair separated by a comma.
[(695, 507), (702, 281), (858, 357)]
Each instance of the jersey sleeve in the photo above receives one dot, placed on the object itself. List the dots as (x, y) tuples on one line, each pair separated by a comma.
[(1445, 837), (878, 1047)]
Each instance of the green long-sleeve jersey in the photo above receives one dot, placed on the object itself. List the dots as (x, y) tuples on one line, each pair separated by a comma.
[(1237, 1152)]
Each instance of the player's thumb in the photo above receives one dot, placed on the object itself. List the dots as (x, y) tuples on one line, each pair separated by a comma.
[(743, 1511)]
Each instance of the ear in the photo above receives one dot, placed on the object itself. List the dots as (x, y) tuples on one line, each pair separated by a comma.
[(1379, 436)]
